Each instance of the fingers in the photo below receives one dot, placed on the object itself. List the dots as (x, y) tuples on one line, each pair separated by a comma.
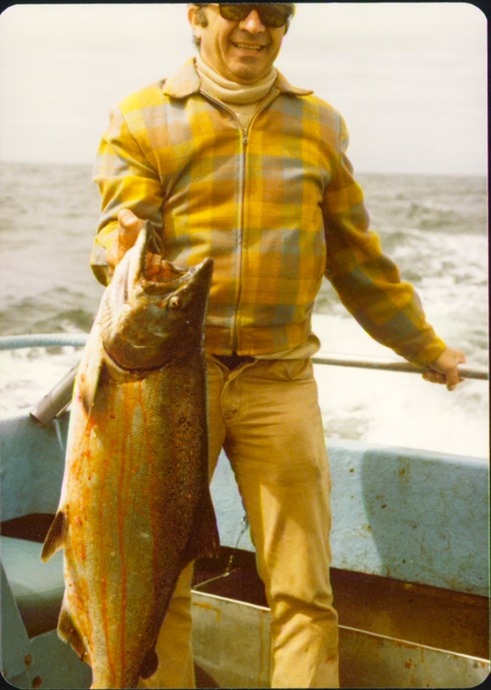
[(152, 266), (445, 369), (159, 269), (435, 377), (455, 358), (453, 379), (128, 229)]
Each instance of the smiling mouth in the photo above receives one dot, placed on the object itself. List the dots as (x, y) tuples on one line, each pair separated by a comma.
[(252, 47)]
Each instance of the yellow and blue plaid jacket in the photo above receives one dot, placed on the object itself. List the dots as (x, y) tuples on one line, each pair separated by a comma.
[(276, 206)]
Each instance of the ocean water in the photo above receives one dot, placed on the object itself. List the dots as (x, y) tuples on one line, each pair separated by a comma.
[(434, 227)]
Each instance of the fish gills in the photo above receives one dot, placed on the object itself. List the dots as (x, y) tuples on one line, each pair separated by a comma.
[(135, 505)]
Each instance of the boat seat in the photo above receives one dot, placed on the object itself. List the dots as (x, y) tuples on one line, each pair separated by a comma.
[(37, 587)]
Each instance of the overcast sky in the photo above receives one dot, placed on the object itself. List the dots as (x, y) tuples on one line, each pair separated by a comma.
[(409, 78)]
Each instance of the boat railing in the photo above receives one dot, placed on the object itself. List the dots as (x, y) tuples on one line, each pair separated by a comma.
[(19, 342), (58, 398), (471, 371)]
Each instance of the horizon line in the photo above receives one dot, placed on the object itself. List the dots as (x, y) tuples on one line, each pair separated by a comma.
[(358, 171)]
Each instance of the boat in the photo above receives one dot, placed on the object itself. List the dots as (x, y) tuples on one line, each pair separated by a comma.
[(410, 568)]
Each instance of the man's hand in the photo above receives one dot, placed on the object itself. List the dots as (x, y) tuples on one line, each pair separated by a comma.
[(445, 369), (129, 227)]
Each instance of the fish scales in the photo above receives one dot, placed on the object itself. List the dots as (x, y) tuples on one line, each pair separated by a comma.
[(135, 505)]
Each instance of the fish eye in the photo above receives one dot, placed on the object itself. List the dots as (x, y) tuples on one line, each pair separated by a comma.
[(174, 302)]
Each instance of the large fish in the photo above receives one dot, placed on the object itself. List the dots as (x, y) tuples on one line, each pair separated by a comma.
[(135, 506)]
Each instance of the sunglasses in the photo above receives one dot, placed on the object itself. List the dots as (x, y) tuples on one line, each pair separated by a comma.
[(273, 15)]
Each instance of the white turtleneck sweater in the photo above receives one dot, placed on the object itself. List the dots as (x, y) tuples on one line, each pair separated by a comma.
[(243, 99)]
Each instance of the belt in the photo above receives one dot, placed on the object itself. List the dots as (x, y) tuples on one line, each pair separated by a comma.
[(234, 360)]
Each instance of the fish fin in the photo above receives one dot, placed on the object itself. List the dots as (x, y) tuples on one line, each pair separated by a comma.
[(68, 632), (149, 664), (204, 539), (56, 536)]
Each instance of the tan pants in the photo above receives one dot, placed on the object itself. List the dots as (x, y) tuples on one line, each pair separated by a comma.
[(266, 417)]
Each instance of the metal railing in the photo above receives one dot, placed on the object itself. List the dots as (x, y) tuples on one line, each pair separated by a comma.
[(471, 371), (58, 398), (19, 342)]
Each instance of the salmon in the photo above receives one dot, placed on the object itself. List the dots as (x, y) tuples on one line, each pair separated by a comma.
[(135, 505)]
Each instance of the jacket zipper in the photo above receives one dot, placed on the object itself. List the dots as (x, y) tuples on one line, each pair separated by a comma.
[(244, 133), (240, 238)]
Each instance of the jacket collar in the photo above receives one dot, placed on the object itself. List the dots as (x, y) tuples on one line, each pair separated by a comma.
[(186, 82)]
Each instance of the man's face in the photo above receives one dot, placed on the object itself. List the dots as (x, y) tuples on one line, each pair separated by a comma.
[(241, 51)]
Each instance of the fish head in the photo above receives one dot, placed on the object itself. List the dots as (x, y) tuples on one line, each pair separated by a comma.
[(154, 310)]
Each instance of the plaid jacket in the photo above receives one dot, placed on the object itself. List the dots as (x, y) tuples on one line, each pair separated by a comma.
[(276, 206)]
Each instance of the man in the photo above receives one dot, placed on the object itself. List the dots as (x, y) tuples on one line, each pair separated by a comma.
[(229, 160)]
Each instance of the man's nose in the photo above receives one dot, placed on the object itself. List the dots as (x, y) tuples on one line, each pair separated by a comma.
[(252, 23)]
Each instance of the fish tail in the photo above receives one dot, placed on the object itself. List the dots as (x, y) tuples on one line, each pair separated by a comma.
[(56, 536)]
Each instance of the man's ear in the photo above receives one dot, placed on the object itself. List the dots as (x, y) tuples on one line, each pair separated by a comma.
[(197, 19)]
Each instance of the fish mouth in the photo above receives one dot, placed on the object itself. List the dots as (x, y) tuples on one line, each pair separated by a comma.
[(148, 270), (166, 277), (150, 273), (161, 274)]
